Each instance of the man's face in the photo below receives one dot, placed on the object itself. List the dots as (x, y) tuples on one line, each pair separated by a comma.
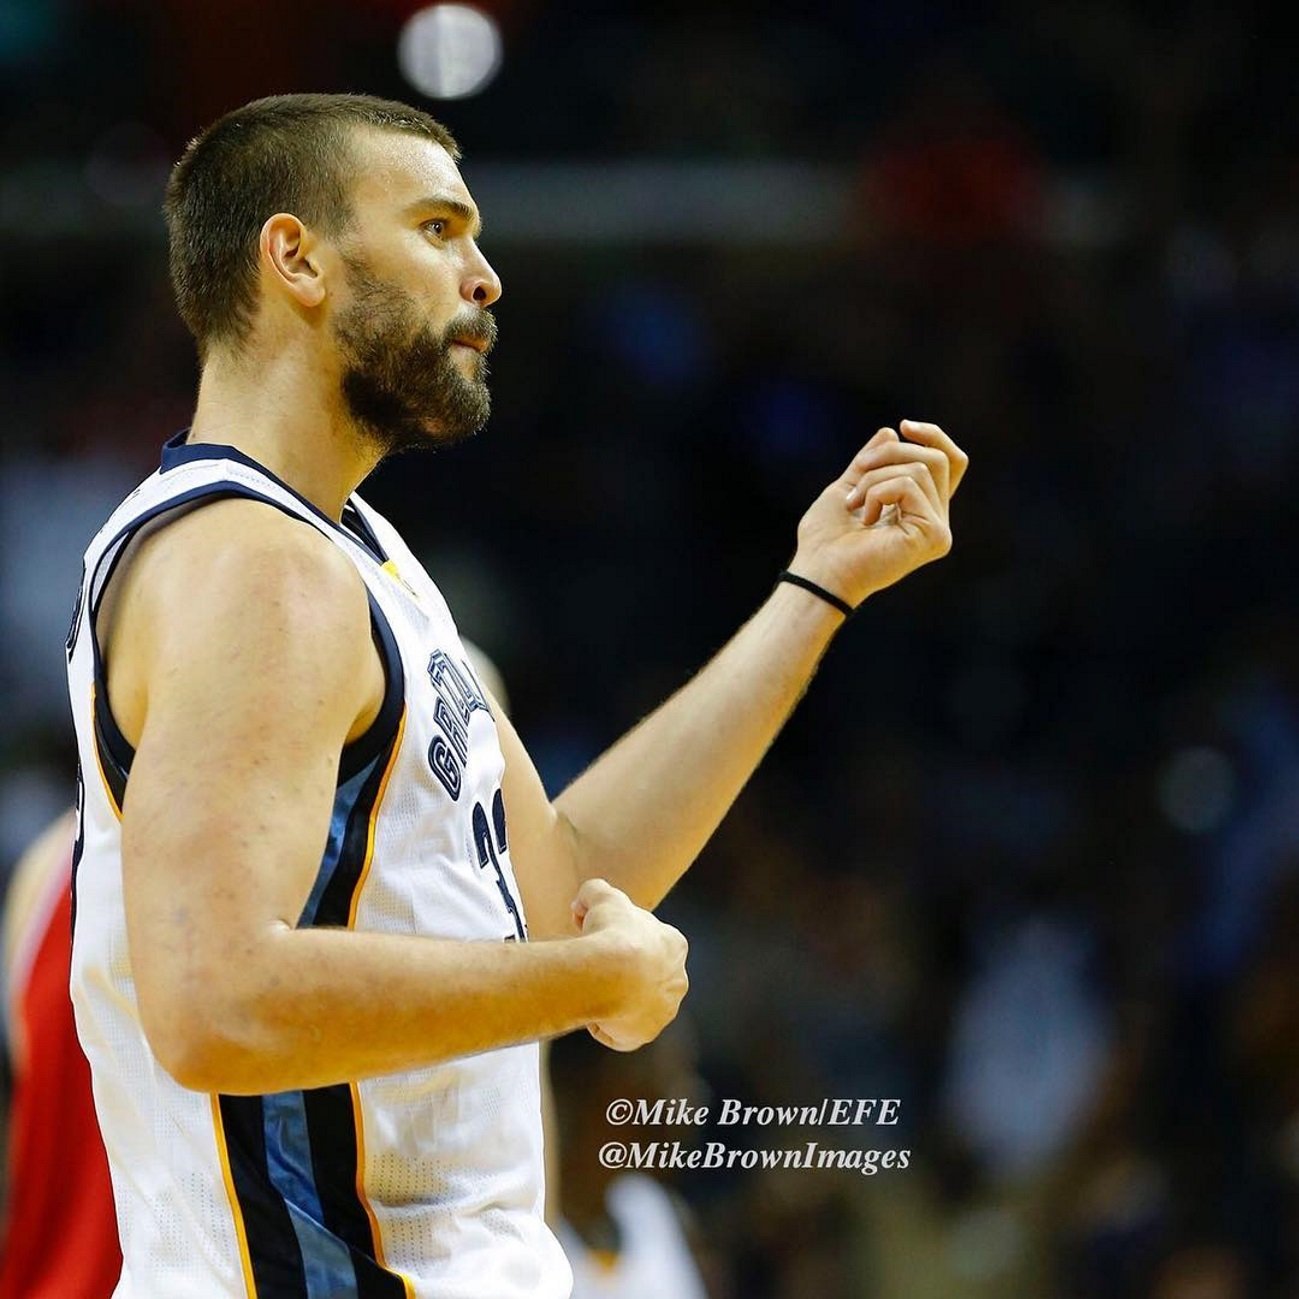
[(412, 329)]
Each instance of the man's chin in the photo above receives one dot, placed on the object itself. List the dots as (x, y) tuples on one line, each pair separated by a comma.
[(436, 435), (399, 417)]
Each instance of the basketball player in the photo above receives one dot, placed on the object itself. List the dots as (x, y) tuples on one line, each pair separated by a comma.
[(58, 1231), (625, 1234), (59, 1235), (324, 908)]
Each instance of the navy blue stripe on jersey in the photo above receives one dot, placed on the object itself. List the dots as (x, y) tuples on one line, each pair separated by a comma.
[(332, 1137), (354, 521), (117, 744), (294, 1174), (331, 1122), (274, 1251), (333, 906), (78, 844), (115, 750), (355, 756), (114, 774), (304, 1156), (294, 1248), (382, 731), (326, 1260), (349, 822)]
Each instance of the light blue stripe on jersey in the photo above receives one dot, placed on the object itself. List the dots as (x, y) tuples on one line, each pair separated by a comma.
[(326, 1259), (345, 800)]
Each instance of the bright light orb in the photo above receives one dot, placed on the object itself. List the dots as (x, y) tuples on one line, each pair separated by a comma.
[(449, 51)]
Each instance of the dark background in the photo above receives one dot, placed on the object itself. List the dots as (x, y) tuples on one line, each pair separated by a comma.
[(1026, 856)]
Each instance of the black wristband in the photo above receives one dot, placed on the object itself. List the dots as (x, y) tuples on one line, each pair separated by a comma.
[(828, 596)]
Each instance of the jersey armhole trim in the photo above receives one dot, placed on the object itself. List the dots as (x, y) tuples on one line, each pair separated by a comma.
[(117, 749), (179, 452), (379, 734)]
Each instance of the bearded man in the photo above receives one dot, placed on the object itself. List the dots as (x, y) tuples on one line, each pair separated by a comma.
[(325, 910)]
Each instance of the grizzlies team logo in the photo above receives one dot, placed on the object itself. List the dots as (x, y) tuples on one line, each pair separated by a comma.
[(458, 695)]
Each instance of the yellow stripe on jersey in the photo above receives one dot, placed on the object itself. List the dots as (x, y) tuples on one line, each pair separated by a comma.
[(374, 818), (352, 1087), (365, 1202), (226, 1176), (390, 567)]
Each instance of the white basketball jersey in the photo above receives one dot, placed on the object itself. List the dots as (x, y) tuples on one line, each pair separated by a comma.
[(426, 1184), (654, 1261)]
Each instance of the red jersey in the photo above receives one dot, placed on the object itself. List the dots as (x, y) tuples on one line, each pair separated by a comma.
[(59, 1236)]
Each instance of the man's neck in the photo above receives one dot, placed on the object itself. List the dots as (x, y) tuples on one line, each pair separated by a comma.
[(287, 417)]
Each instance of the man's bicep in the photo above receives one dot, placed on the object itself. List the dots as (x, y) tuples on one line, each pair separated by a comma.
[(224, 784), (250, 695), (541, 840)]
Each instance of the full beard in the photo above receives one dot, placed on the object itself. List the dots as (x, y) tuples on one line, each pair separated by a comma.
[(401, 383)]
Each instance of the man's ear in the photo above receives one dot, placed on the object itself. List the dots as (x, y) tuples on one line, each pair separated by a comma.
[(287, 250)]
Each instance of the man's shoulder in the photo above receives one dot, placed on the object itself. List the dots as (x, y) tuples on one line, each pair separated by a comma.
[(236, 561), (232, 535), (227, 598)]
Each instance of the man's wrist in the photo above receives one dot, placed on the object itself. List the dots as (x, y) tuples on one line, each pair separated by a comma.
[(794, 606), (608, 960), (817, 589)]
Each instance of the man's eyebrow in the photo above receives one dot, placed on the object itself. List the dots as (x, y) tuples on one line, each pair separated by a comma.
[(466, 211)]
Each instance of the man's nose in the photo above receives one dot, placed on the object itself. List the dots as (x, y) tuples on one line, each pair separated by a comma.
[(482, 286)]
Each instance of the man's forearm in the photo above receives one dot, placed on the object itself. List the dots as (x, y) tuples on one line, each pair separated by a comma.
[(312, 1007), (643, 812)]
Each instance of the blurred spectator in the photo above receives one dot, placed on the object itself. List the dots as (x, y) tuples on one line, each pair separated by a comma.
[(59, 1236), (626, 1234)]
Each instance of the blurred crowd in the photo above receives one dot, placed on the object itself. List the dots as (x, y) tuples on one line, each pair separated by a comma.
[(1026, 856)]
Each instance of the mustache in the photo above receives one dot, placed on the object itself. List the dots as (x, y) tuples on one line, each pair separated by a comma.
[(477, 327)]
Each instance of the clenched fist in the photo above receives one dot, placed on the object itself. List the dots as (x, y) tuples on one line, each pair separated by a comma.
[(648, 956), (885, 516)]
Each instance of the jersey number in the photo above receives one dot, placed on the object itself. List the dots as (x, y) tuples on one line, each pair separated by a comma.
[(488, 845)]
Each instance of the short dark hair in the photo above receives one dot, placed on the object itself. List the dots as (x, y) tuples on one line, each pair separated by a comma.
[(286, 153)]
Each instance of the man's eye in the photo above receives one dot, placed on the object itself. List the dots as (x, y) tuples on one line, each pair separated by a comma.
[(437, 226)]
